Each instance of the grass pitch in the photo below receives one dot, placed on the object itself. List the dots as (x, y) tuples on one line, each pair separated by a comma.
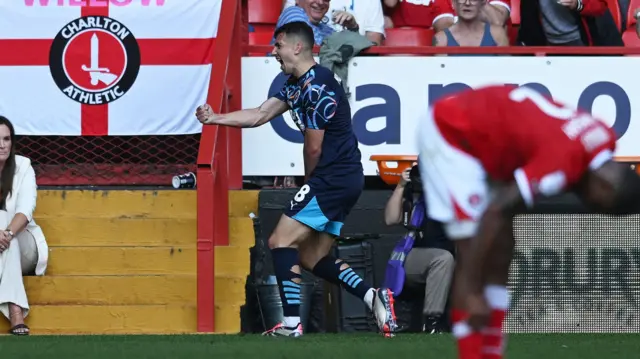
[(311, 346)]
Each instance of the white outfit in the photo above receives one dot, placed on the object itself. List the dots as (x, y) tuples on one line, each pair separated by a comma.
[(455, 183), (368, 14), (28, 252)]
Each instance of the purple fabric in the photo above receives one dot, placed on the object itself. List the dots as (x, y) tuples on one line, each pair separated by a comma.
[(394, 274)]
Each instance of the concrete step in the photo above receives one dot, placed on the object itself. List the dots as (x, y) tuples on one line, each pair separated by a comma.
[(151, 232), (243, 202), (241, 232), (113, 290), (116, 204), (230, 290), (124, 231), (135, 203), (121, 260), (232, 261), (115, 319), (106, 261), (227, 318)]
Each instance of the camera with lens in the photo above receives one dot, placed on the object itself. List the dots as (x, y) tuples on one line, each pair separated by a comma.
[(416, 182), (413, 188)]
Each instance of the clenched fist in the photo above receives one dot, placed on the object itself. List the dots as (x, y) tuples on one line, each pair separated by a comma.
[(205, 114)]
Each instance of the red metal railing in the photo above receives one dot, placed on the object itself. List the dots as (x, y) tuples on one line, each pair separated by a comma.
[(234, 83), (507, 50), (213, 171)]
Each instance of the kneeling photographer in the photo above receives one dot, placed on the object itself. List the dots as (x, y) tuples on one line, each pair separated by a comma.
[(423, 260)]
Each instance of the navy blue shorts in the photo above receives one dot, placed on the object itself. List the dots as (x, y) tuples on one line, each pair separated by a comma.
[(324, 205)]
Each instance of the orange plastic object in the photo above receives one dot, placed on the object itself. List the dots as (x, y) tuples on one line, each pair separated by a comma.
[(390, 167)]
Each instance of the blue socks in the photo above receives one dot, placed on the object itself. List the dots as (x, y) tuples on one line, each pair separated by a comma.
[(329, 270), (289, 282)]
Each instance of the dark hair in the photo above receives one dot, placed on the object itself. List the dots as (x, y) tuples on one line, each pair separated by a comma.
[(9, 169), (297, 28)]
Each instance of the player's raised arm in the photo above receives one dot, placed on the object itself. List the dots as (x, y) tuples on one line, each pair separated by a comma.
[(254, 117)]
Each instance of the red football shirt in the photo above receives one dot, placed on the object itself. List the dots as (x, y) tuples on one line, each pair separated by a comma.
[(420, 13), (508, 128)]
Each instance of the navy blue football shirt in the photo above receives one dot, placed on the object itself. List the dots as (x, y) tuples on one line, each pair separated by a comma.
[(317, 101)]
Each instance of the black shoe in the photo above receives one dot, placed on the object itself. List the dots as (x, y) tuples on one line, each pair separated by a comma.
[(431, 325)]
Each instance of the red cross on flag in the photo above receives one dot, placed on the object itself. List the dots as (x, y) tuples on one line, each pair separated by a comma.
[(119, 68)]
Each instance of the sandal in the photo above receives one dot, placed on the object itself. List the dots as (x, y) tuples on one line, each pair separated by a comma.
[(20, 329)]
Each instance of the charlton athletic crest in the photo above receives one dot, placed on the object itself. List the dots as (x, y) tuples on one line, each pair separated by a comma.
[(94, 60)]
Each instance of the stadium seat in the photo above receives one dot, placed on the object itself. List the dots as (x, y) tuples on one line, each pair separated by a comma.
[(260, 37), (515, 12), (633, 5), (408, 36), (630, 37), (264, 11)]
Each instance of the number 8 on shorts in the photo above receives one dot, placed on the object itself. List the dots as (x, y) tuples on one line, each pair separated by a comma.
[(305, 208), (323, 205), (302, 193)]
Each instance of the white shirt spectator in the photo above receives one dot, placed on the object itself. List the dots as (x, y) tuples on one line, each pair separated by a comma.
[(368, 14), (28, 252)]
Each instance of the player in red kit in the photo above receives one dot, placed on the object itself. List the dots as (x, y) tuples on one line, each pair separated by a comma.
[(487, 154)]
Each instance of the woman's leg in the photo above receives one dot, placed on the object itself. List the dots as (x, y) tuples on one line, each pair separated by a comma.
[(20, 257), (12, 290), (28, 252)]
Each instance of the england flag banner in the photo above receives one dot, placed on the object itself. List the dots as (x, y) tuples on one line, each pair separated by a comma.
[(100, 67)]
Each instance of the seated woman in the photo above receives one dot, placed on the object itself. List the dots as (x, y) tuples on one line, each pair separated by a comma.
[(471, 28), (23, 248)]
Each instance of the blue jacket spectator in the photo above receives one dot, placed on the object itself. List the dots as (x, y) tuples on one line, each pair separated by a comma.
[(295, 13)]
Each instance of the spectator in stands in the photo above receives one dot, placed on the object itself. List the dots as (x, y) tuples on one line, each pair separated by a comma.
[(429, 265), (23, 248), (364, 16), (471, 29), (313, 13), (426, 14), (567, 23)]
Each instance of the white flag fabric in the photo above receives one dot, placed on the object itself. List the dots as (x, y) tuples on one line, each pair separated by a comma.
[(106, 70)]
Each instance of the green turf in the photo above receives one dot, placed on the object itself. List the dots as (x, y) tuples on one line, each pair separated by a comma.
[(312, 346)]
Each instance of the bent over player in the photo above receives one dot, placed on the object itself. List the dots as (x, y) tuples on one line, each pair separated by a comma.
[(487, 154), (334, 179)]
